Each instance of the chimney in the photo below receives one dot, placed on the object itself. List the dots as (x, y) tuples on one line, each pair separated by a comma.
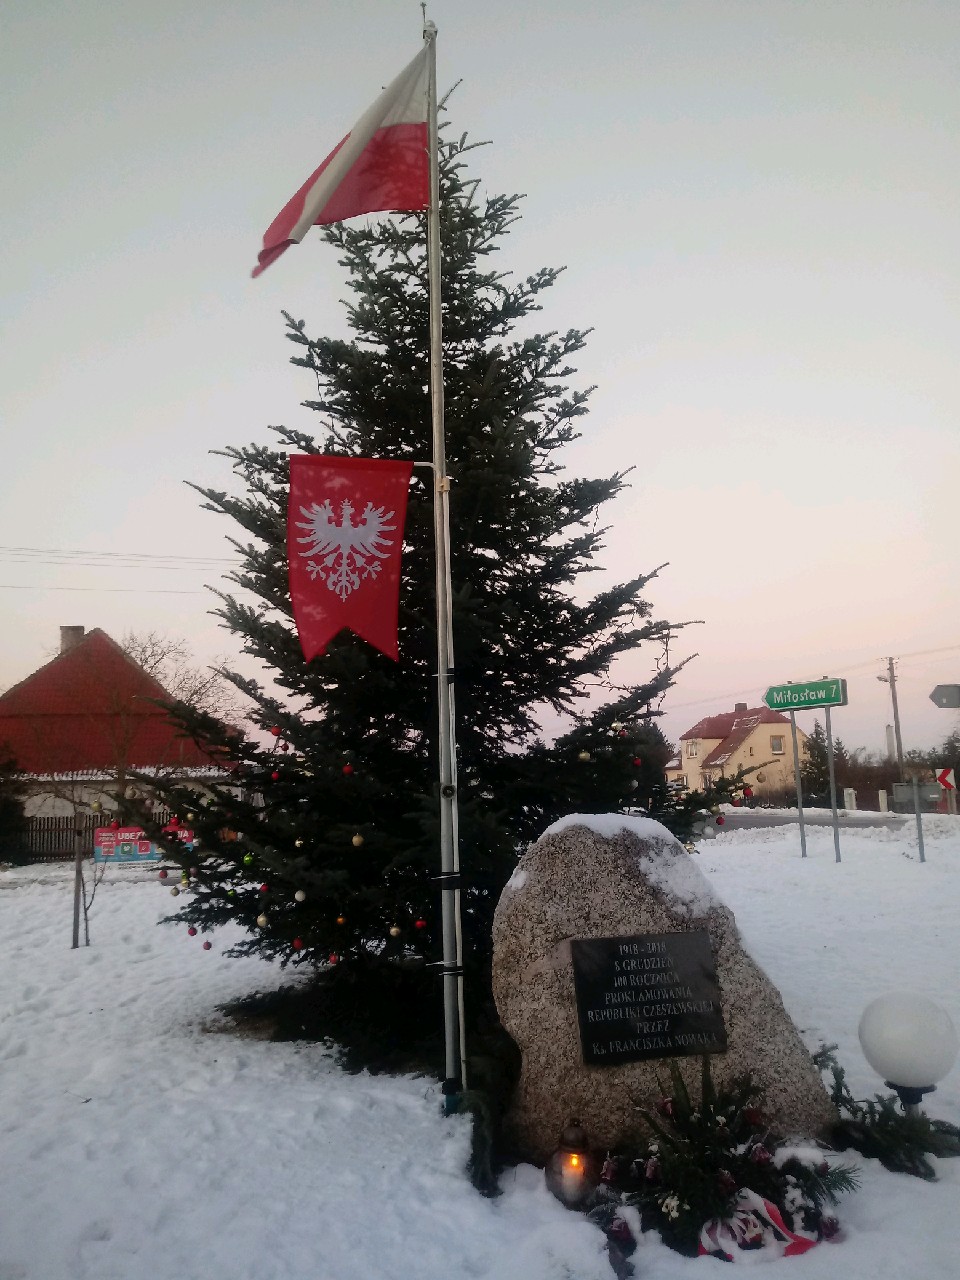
[(70, 637), (740, 706)]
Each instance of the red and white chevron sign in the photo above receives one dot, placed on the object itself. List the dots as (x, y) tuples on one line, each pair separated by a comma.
[(947, 779)]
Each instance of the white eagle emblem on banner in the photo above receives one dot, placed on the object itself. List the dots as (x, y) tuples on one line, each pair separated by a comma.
[(342, 553)]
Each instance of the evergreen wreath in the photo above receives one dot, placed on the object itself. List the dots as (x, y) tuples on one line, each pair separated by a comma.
[(714, 1178)]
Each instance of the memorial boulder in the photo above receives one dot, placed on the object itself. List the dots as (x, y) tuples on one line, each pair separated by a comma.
[(611, 956)]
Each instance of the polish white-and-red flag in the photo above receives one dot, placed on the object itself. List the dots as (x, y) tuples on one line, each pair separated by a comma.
[(344, 537), (382, 164)]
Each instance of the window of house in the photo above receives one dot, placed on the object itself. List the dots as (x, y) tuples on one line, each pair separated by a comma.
[(692, 748), (776, 743), (751, 750), (706, 779)]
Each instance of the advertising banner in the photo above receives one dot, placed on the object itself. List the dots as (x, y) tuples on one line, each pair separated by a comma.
[(130, 844)]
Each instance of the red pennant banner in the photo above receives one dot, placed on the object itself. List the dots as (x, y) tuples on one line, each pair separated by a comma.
[(344, 537)]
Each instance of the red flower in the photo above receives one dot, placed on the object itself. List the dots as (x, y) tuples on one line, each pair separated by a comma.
[(619, 1231)]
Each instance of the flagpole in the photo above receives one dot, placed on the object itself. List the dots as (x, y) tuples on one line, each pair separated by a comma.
[(454, 1030)]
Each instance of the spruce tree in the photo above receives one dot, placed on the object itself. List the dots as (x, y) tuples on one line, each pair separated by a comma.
[(339, 795), (815, 769)]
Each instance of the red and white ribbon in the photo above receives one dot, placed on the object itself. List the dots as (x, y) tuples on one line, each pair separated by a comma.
[(755, 1226)]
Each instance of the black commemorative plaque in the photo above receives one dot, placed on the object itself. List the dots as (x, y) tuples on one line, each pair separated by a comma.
[(654, 995)]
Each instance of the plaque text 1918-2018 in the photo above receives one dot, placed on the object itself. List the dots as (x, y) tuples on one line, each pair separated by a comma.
[(654, 995)]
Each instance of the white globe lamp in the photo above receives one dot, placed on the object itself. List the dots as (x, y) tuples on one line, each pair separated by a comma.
[(910, 1041)]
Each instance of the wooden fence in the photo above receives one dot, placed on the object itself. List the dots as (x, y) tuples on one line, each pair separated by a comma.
[(52, 839)]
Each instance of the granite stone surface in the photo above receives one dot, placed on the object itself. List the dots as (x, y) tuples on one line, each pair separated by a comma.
[(577, 883)]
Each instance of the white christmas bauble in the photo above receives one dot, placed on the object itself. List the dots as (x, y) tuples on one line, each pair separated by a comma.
[(262, 921), (908, 1040), (300, 896)]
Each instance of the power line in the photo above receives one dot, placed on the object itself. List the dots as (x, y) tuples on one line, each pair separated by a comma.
[(114, 555), (870, 662), (161, 591)]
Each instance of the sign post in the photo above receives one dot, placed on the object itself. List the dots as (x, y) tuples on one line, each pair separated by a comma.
[(796, 774), (833, 786), (827, 692), (947, 696), (916, 810)]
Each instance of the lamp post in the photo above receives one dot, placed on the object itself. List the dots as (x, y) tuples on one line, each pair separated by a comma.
[(911, 1042)]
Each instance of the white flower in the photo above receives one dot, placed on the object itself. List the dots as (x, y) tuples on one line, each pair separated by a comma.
[(670, 1205)]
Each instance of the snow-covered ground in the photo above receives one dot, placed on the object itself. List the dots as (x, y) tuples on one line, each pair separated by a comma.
[(139, 1142)]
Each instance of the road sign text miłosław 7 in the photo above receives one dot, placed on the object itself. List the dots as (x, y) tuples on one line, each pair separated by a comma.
[(810, 694)]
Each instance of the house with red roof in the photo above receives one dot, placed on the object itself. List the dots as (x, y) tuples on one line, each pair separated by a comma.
[(81, 724), (746, 737)]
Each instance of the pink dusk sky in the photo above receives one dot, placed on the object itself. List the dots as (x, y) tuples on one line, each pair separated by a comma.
[(757, 204)]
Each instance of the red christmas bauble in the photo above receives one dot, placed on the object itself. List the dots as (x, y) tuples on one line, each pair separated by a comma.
[(114, 825), (298, 944), (207, 946), (284, 746), (622, 733), (637, 762), (192, 932), (163, 873), (275, 775), (720, 819), (748, 793), (419, 924), (332, 958), (275, 731), (347, 770), (264, 888), (735, 801)]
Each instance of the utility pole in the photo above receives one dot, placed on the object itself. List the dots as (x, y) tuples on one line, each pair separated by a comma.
[(891, 679)]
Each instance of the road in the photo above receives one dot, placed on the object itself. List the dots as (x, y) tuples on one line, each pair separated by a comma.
[(747, 818)]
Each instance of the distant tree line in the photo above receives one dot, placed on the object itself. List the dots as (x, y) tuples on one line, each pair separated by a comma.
[(868, 770)]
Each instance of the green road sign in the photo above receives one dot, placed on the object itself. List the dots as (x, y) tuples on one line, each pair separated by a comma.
[(801, 697), (946, 695)]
